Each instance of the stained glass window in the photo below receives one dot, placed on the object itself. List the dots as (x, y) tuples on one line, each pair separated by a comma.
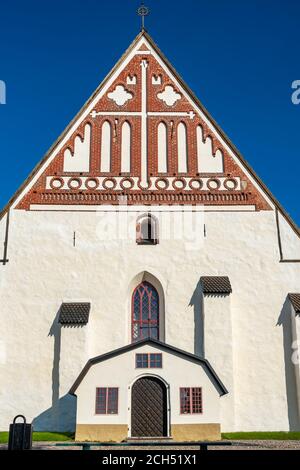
[(145, 312)]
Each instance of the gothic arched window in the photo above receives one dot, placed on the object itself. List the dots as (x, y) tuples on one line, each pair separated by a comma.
[(147, 230), (145, 312)]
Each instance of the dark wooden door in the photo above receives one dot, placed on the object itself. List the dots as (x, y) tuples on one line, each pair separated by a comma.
[(148, 408)]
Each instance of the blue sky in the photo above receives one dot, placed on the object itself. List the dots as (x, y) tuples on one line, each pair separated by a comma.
[(239, 57)]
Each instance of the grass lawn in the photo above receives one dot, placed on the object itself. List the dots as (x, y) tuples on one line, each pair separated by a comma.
[(42, 436), (280, 436), (234, 436)]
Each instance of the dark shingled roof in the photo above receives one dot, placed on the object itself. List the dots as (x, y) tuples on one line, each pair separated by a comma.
[(295, 301), (216, 285), (74, 313)]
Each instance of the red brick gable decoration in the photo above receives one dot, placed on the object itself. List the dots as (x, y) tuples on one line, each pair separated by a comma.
[(144, 136)]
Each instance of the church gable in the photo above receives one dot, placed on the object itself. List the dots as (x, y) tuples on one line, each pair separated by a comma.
[(142, 135)]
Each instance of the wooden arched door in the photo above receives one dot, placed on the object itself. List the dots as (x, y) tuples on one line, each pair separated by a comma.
[(149, 408)]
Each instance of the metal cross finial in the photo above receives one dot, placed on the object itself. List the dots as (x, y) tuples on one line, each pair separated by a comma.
[(143, 11)]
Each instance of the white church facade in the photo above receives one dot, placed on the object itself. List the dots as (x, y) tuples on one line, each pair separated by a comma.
[(149, 280)]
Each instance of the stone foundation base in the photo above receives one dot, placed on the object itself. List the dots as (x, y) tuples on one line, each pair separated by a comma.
[(119, 432), (101, 432), (196, 432)]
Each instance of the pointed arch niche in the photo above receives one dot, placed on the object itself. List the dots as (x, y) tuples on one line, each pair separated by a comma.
[(182, 148), (147, 284), (162, 148), (105, 147), (207, 161), (80, 159), (126, 148)]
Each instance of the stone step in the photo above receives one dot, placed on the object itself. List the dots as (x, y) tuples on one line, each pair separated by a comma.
[(149, 439)]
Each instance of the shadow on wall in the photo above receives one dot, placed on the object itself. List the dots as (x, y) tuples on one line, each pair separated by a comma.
[(197, 303), (284, 320), (61, 416)]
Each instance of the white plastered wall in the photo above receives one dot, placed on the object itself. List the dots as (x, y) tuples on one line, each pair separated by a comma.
[(290, 241), (45, 269), (295, 353), (220, 351), (3, 224)]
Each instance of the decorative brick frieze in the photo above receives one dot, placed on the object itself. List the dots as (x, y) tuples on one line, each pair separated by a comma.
[(166, 103)]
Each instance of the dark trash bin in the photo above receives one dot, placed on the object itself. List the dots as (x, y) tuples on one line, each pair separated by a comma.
[(20, 435)]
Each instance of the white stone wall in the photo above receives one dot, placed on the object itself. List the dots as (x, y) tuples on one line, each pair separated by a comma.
[(295, 330), (3, 222), (120, 372), (217, 325), (45, 269), (289, 240)]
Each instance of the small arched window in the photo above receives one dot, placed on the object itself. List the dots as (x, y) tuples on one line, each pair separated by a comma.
[(145, 312), (147, 230)]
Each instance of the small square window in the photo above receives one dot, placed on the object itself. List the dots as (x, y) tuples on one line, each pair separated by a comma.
[(142, 361), (156, 361)]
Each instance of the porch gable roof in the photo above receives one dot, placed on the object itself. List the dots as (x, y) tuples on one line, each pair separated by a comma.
[(161, 345)]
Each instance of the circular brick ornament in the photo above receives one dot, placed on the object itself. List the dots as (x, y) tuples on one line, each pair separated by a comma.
[(213, 184), (74, 183), (127, 183), (230, 184), (91, 183), (162, 183), (109, 183), (179, 183), (196, 184), (56, 183)]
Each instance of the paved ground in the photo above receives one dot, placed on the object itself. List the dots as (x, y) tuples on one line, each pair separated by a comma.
[(236, 445)]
